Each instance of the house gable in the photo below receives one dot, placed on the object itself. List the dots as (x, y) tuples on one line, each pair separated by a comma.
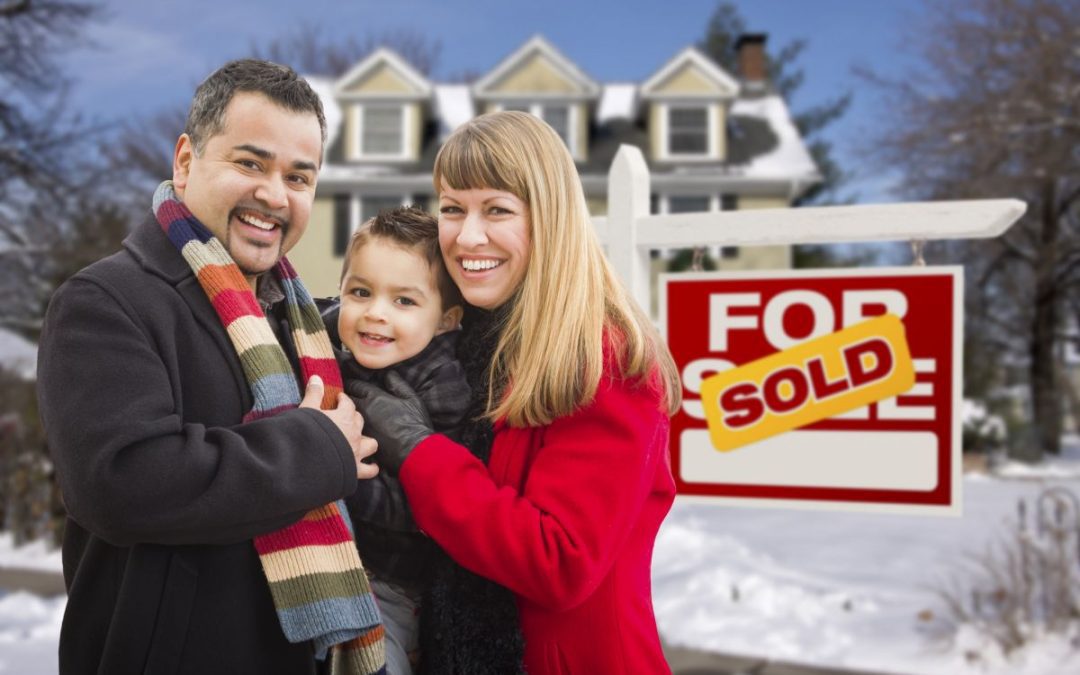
[(690, 73), (536, 68), (382, 79), (689, 79), (537, 75)]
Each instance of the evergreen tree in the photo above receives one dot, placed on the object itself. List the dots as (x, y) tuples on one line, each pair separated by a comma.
[(785, 76)]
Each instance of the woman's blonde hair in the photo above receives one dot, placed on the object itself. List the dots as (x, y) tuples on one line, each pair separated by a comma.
[(570, 300)]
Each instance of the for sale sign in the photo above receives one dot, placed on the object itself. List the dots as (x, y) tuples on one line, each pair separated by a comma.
[(830, 388)]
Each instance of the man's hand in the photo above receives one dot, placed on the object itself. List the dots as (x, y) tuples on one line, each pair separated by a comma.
[(396, 418), (346, 419)]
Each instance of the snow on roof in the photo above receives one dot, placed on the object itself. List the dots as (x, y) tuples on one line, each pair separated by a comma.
[(324, 87), (617, 101), (454, 107), (790, 158), (18, 355)]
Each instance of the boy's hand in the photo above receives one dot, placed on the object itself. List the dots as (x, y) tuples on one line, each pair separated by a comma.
[(348, 421)]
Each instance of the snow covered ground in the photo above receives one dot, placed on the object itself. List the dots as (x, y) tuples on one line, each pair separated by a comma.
[(822, 588), (838, 588)]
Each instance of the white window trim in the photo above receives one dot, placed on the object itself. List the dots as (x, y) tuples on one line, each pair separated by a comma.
[(354, 213), (356, 207), (536, 108), (712, 120), (407, 112)]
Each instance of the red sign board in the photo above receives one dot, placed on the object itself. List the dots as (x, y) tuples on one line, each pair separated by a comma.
[(900, 453)]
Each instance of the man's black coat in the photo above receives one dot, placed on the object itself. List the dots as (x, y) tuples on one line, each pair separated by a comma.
[(142, 396)]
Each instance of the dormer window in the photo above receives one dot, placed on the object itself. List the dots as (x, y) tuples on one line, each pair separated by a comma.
[(385, 101), (383, 131), (557, 115), (688, 130), (688, 103)]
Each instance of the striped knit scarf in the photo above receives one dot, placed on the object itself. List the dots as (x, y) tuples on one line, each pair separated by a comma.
[(316, 580)]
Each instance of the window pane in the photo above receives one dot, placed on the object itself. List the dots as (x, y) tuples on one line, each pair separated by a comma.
[(688, 204), (688, 131), (382, 131), (558, 116), (342, 226), (692, 118), (370, 206)]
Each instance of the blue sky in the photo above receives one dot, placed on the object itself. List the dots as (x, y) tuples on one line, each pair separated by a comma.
[(150, 55)]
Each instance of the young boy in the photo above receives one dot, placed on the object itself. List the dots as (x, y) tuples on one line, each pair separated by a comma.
[(398, 311)]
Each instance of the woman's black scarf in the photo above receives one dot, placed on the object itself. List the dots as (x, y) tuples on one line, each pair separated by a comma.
[(468, 624)]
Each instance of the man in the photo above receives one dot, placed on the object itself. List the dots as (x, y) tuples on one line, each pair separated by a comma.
[(173, 452)]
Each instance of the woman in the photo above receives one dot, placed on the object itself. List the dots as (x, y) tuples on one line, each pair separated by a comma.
[(576, 386)]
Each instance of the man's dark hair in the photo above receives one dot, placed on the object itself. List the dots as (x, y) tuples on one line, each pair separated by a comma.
[(414, 229), (278, 83)]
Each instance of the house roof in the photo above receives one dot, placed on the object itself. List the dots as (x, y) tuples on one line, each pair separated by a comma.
[(618, 101), (324, 87), (453, 107), (763, 143), (786, 156)]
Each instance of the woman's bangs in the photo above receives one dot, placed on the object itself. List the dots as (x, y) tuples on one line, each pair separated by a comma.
[(465, 162)]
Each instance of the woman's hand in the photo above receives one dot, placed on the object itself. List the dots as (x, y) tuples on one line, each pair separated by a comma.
[(394, 417)]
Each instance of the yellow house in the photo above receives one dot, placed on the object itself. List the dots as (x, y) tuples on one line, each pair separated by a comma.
[(713, 141)]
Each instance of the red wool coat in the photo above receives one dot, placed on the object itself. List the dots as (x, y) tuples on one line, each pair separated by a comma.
[(565, 516)]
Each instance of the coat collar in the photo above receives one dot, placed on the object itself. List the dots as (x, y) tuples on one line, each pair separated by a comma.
[(152, 249)]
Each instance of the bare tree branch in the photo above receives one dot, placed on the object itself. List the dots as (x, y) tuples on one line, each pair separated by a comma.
[(992, 110)]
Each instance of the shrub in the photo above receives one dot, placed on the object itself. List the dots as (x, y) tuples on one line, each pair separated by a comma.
[(1027, 585)]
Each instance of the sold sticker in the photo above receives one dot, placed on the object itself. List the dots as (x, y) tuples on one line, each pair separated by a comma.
[(811, 381)]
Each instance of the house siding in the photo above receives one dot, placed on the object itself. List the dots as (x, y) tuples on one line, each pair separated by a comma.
[(415, 120), (720, 113), (581, 149), (760, 257), (313, 255), (657, 129)]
